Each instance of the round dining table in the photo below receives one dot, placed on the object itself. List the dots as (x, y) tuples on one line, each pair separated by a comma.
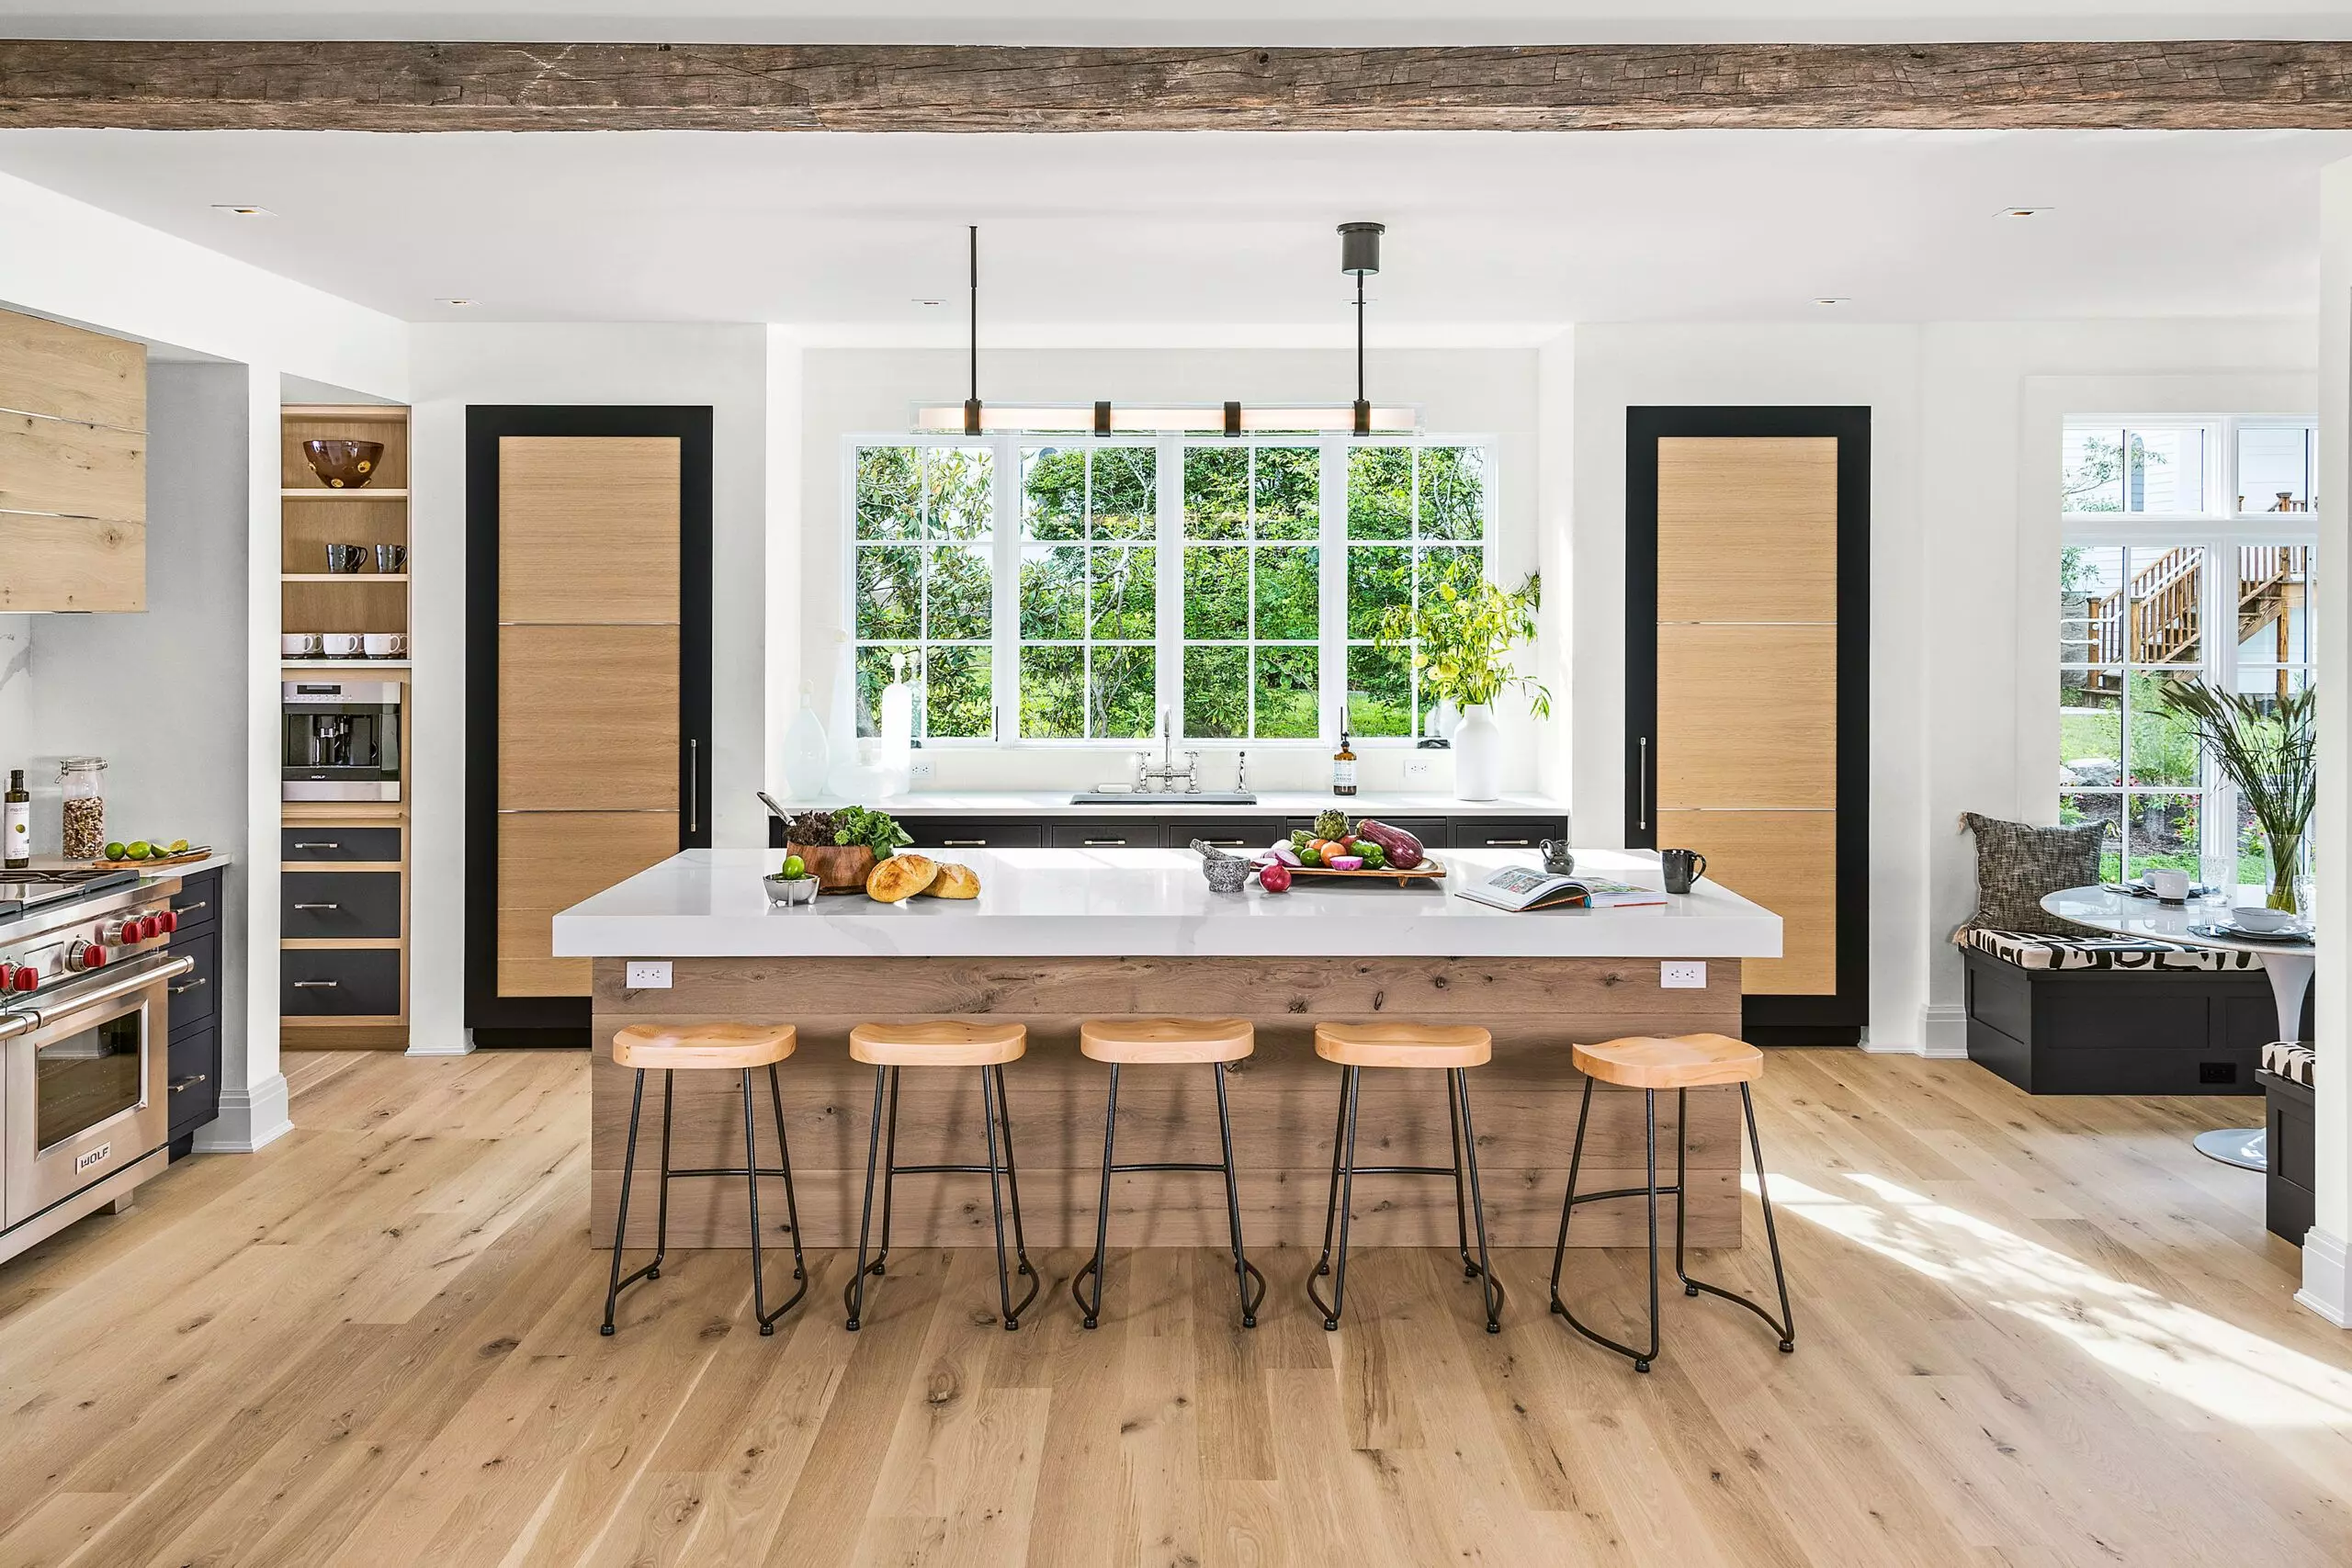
[(2289, 966)]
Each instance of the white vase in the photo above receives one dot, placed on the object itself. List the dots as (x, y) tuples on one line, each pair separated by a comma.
[(1443, 719), (808, 756), (1477, 754)]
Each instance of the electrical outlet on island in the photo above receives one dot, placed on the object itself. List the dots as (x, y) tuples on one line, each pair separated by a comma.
[(1683, 974), (648, 973)]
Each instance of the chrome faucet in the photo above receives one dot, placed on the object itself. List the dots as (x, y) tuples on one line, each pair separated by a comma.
[(1163, 779)]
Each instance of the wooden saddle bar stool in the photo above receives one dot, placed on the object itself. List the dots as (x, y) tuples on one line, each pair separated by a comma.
[(706, 1047), (939, 1043), (1214, 1042), (1452, 1049), (1681, 1064)]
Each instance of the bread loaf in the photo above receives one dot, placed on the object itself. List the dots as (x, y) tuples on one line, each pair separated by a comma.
[(899, 877), (953, 881)]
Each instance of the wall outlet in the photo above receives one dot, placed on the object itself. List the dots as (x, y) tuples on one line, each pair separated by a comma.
[(1417, 767), (920, 768), (649, 975), (1678, 974)]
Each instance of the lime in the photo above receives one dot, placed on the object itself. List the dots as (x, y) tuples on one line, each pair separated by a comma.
[(179, 846), (139, 850), (114, 849), (795, 868)]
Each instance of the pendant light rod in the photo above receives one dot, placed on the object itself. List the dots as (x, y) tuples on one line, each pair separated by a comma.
[(972, 403), (1360, 254)]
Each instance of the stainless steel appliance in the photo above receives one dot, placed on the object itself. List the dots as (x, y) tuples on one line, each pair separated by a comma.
[(342, 740), (85, 998)]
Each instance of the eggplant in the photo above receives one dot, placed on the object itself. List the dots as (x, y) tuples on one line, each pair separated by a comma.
[(1403, 850)]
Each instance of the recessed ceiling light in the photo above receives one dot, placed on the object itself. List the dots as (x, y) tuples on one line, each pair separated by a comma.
[(237, 209), (1833, 300), (2021, 212), (931, 301), (460, 303)]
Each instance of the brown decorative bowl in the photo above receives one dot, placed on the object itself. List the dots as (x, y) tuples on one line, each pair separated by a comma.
[(343, 465), (838, 868)]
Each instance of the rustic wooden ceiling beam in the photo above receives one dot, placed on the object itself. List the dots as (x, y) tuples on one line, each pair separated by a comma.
[(188, 86)]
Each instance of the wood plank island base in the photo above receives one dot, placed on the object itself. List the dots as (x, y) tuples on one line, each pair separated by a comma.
[(1060, 935)]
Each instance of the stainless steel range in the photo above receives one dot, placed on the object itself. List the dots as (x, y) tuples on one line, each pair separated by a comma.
[(85, 1111)]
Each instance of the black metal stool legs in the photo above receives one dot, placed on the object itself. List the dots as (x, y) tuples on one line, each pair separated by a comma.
[(1343, 1188), (1784, 1327), (1245, 1272), (749, 1171), (1469, 1209), (882, 1163), (1490, 1289)]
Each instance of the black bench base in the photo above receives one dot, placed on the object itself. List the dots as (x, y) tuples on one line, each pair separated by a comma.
[(2119, 1031), (2287, 1199)]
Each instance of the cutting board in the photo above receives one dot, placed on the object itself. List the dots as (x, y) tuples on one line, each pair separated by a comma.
[(199, 852), (1428, 871)]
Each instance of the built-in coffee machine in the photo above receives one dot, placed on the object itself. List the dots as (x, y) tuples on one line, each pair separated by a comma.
[(342, 740)]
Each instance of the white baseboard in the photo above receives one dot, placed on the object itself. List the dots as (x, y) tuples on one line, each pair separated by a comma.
[(463, 1045), (2327, 1278), (1942, 1033), (250, 1119)]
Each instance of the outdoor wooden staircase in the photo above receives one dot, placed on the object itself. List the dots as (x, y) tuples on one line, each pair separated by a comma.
[(2157, 618)]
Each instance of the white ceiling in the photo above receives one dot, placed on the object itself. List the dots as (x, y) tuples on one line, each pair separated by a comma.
[(1488, 232), (1273, 22)]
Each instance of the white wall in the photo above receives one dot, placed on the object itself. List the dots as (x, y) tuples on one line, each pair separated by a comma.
[(2327, 1270), (1465, 391), (162, 693), (723, 367)]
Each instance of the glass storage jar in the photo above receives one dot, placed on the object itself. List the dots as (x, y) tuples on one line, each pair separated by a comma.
[(86, 807)]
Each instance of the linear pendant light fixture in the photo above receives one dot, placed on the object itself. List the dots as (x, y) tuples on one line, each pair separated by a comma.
[(1360, 257), (972, 403)]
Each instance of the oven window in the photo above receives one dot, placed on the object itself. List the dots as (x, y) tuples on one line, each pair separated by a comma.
[(84, 1078)]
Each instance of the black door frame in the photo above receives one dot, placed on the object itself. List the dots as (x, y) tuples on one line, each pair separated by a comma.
[(1837, 1018), (498, 1019)]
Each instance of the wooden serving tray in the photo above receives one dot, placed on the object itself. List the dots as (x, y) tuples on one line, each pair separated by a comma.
[(199, 852), (1428, 871)]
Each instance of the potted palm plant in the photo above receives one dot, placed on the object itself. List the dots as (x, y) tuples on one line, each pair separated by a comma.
[(2264, 746), (1462, 636)]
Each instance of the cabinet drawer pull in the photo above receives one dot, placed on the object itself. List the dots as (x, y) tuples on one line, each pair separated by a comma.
[(330, 845), (314, 985), (188, 1082), (1225, 844), (192, 985), (1105, 844), (192, 909), (1506, 843), (962, 843), (318, 906)]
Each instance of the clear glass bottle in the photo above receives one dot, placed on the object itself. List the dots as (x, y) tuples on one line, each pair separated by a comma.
[(84, 811)]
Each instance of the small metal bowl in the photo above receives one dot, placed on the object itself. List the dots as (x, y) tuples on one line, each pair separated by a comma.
[(791, 891)]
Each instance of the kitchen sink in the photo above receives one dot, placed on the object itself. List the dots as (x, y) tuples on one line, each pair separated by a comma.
[(1164, 797)]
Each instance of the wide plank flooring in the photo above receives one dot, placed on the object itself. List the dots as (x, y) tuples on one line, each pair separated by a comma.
[(2030, 1332)]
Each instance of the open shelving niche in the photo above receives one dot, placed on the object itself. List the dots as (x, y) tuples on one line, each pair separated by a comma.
[(314, 516)]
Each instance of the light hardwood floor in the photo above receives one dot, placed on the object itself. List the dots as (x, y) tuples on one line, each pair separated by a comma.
[(2031, 1332)]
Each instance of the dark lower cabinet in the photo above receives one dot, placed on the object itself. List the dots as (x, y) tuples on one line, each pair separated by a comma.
[(339, 982), (1109, 833), (193, 1012), (339, 905), (969, 833)]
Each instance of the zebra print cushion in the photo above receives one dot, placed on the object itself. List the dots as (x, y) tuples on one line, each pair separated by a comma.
[(2285, 1059), (2031, 950)]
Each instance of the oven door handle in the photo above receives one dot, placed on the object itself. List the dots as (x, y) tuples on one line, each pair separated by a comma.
[(169, 969)]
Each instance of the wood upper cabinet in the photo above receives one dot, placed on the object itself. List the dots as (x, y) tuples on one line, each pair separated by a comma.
[(72, 468)]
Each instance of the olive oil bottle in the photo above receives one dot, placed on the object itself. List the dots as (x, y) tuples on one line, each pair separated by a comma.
[(16, 823), (1343, 766)]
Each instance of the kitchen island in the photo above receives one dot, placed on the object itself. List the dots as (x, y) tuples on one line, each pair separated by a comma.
[(1058, 935)]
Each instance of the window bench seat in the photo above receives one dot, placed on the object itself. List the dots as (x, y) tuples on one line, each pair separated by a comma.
[(2286, 1079), (2111, 1015)]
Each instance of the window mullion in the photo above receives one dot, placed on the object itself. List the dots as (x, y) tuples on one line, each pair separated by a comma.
[(1005, 603), (1168, 580), (1331, 580)]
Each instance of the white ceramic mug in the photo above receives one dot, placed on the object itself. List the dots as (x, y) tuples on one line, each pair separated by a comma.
[(343, 644), (2171, 886), (299, 645), (385, 645)]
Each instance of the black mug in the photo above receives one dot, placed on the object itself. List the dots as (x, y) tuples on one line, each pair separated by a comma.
[(1683, 868)]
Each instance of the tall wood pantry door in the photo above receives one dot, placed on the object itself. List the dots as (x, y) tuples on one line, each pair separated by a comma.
[(1747, 571), (589, 669)]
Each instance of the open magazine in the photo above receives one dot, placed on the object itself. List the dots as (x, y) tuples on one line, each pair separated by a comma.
[(1523, 887)]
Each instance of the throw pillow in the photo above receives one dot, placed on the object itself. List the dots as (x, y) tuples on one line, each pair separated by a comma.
[(2018, 864)]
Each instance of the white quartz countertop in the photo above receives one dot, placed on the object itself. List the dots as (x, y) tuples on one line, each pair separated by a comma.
[(1146, 903), (1271, 803)]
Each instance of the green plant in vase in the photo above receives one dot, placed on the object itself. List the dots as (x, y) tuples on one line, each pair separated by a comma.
[(2265, 747), (1462, 636)]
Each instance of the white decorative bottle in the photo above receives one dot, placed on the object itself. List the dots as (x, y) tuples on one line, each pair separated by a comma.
[(895, 756), (808, 756)]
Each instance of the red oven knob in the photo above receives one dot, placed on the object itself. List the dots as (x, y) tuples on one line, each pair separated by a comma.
[(120, 933), (168, 921), (150, 927), (24, 979), (84, 955)]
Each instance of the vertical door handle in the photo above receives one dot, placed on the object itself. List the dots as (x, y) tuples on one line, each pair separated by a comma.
[(1642, 784), (694, 786)]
